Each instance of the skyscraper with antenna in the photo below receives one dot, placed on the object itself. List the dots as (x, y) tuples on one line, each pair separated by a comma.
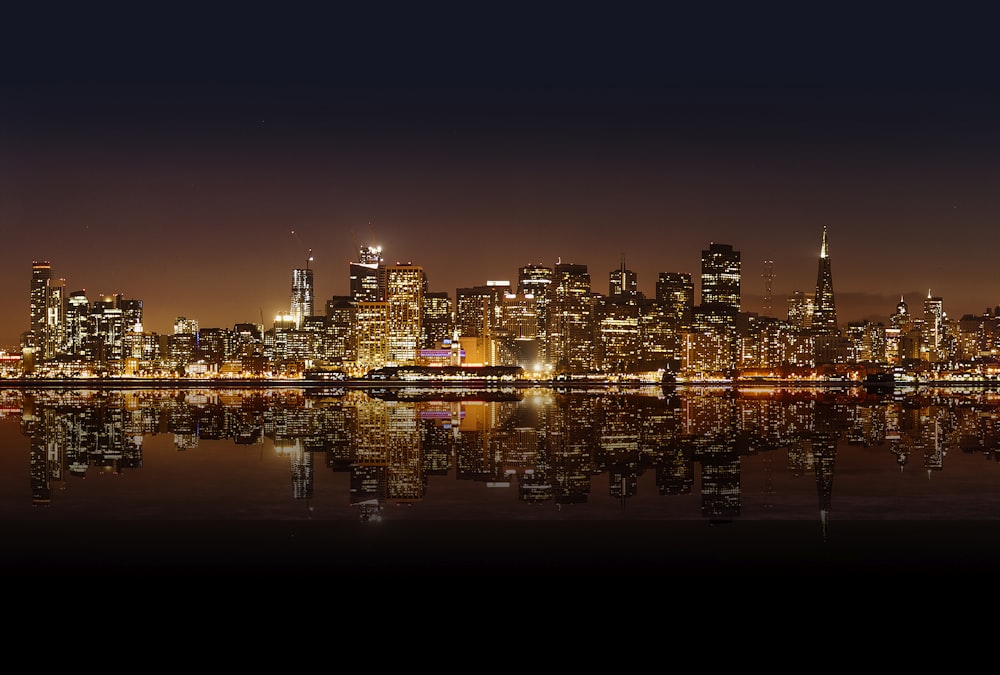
[(303, 293), (623, 284)]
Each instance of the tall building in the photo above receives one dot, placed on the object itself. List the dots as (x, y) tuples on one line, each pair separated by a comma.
[(800, 309), (720, 288), (41, 273), (623, 285), (570, 329), (185, 326), (111, 319), (535, 280), (901, 319), (436, 324), (341, 313), (303, 294), (371, 343), (720, 278), (364, 280), (675, 292), (616, 339), (56, 303), (404, 295), (824, 318), (933, 323), (477, 308), (78, 329)]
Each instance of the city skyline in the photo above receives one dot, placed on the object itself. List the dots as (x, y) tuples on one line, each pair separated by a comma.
[(304, 295), (151, 175)]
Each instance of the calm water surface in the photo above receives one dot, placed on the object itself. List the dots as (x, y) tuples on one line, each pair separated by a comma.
[(652, 475)]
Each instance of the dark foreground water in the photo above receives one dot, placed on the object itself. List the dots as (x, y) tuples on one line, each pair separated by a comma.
[(896, 552), (532, 484)]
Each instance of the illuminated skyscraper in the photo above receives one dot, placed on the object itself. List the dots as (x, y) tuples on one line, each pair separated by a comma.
[(110, 320), (901, 319), (933, 323), (436, 323), (341, 314), (623, 285), (184, 326), (518, 316), (41, 272), (365, 275), (824, 318), (303, 294), (535, 280), (616, 340), (720, 279), (477, 308), (570, 330), (720, 288), (78, 323), (56, 302), (675, 292), (404, 294), (800, 309), (371, 335)]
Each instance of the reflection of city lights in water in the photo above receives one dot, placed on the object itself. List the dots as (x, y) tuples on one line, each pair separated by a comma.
[(406, 448)]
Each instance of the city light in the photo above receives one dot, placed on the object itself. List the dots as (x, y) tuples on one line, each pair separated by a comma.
[(551, 324)]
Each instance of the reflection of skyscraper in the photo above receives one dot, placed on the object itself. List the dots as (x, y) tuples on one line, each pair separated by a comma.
[(302, 466), (404, 478), (824, 308), (824, 450), (720, 483)]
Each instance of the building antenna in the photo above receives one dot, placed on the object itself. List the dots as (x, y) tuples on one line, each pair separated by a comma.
[(309, 252), (768, 277), (354, 241)]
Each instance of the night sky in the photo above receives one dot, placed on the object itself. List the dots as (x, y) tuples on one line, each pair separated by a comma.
[(193, 163)]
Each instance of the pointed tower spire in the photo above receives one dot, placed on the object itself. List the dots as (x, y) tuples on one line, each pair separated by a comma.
[(824, 310)]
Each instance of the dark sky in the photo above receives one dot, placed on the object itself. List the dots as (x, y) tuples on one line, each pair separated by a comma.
[(170, 158)]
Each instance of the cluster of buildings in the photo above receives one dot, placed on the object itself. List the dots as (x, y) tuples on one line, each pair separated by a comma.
[(550, 323)]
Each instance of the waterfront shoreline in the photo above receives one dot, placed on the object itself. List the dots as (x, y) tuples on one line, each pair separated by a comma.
[(252, 383)]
